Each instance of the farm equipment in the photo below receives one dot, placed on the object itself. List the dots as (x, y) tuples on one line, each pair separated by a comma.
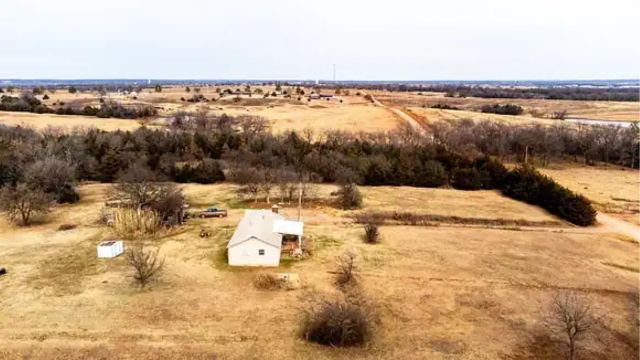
[(213, 212)]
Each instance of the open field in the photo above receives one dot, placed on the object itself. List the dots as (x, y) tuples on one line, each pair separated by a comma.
[(614, 191), (439, 292), (65, 122), (345, 112), (601, 110)]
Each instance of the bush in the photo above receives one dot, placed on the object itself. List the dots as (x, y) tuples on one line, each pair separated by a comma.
[(67, 195), (145, 263), (346, 270), (444, 107), (349, 196), (45, 97), (466, 179), (508, 109), (528, 185), (208, 171), (267, 281), (370, 224), (432, 174), (65, 227), (336, 323)]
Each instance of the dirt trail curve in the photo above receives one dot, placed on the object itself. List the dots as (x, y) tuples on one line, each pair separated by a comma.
[(611, 224), (415, 124)]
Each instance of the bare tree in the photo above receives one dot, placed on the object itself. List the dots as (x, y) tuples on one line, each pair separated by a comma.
[(559, 115), (138, 188), (21, 202), (571, 316), (249, 180), (145, 262)]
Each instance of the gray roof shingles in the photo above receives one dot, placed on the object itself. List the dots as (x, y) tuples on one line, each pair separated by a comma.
[(257, 224)]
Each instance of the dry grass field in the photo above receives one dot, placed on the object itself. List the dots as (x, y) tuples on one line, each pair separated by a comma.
[(353, 113), (65, 122), (601, 110), (438, 292), (614, 191)]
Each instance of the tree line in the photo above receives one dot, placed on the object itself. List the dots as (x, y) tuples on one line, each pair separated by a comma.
[(541, 144), (501, 92), (107, 109), (198, 147)]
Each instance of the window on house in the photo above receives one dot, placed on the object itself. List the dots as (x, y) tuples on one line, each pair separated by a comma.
[(261, 252)]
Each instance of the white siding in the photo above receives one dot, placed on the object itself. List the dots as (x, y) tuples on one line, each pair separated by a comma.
[(248, 254)]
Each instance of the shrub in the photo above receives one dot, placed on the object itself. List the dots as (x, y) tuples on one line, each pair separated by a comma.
[(444, 107), (559, 115), (526, 184), (207, 171), (336, 322), (67, 195), (508, 109), (45, 97), (146, 264), (267, 281), (65, 227), (346, 269), (370, 223), (466, 179), (432, 174), (349, 196)]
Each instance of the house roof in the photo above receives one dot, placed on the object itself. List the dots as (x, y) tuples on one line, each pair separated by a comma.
[(257, 224), (288, 227)]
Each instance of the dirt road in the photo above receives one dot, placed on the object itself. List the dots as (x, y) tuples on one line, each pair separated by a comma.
[(403, 115), (614, 225)]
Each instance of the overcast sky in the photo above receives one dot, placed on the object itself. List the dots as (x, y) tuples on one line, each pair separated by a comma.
[(281, 39)]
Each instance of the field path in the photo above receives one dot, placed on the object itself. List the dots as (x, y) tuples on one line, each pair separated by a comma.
[(618, 226), (415, 124)]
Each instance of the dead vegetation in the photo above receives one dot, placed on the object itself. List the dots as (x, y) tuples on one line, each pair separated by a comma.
[(410, 218), (370, 225), (131, 223), (146, 264), (572, 316), (336, 321), (65, 227), (268, 281), (346, 269), (414, 277)]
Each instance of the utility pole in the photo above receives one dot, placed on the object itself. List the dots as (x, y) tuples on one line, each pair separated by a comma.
[(299, 210), (299, 199)]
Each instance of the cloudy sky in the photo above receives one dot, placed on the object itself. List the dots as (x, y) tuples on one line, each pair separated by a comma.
[(282, 39)]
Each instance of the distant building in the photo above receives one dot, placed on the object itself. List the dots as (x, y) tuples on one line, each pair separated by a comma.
[(257, 240)]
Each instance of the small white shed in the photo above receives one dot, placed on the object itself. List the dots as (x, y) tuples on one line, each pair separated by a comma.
[(110, 249)]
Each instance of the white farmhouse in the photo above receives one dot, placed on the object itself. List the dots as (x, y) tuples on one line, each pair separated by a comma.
[(257, 240)]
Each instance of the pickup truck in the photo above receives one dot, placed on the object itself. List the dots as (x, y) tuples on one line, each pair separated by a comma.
[(213, 212)]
